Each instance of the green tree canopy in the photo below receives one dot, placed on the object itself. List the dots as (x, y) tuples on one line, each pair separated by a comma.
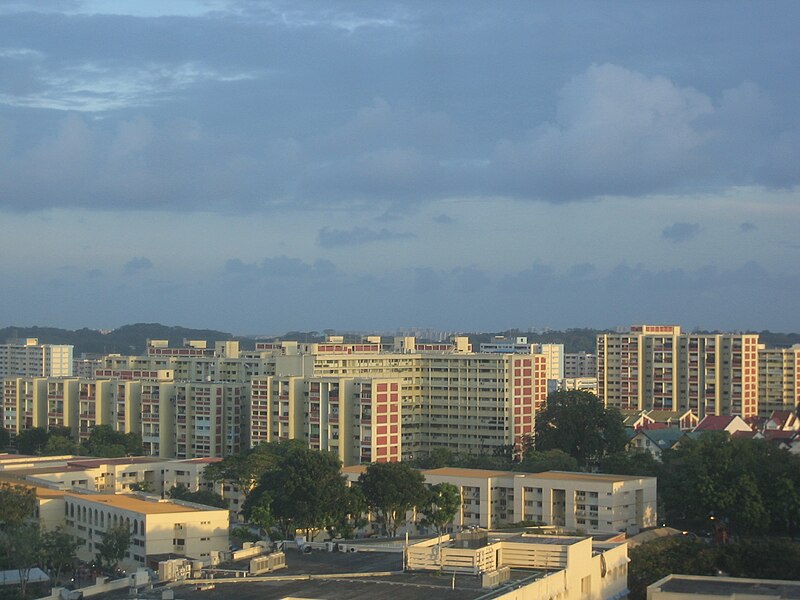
[(21, 545), (441, 506), (59, 441), (58, 551), (31, 441), (651, 561), (205, 497), (5, 438), (577, 423), (547, 460), (306, 489), (105, 442), (630, 463), (748, 484), (245, 470), (17, 504), (763, 558), (392, 490), (113, 546)]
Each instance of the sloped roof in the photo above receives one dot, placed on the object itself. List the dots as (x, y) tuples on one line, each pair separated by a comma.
[(714, 423), (663, 438)]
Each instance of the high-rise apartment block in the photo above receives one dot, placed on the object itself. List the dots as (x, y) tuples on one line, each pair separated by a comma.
[(579, 365), (656, 367), (778, 384), (553, 353), (373, 401), (365, 401), (28, 358)]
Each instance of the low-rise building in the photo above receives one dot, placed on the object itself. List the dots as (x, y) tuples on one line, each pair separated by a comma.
[(698, 587), (158, 526), (563, 567), (592, 502)]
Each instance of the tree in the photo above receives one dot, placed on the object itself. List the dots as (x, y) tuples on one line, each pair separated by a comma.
[(440, 508), (437, 458), (305, 489), (679, 554), (60, 442), (22, 546), (31, 441), (58, 551), (577, 423), (5, 438), (181, 492), (746, 483), (547, 460), (630, 463), (245, 470), (17, 504), (105, 442), (113, 546), (352, 515), (143, 486), (392, 490), (260, 513)]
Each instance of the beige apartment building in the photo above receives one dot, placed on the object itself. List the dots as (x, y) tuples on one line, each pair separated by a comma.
[(656, 367), (778, 382), (196, 402), (159, 527), (470, 403), (575, 501), (589, 502), (566, 567), (28, 358), (359, 419)]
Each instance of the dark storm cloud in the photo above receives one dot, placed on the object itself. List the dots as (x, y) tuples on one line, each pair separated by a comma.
[(265, 105), (680, 232)]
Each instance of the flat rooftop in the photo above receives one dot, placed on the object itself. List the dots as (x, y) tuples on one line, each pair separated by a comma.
[(361, 584), (728, 586), (461, 472), (574, 476), (138, 505), (555, 540)]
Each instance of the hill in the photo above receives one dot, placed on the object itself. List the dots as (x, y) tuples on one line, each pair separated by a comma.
[(128, 339)]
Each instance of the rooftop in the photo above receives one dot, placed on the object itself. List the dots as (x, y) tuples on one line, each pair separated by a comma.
[(728, 586), (138, 505), (461, 472), (586, 477), (90, 462)]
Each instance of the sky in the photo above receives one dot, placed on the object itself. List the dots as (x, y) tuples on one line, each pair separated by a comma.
[(259, 167)]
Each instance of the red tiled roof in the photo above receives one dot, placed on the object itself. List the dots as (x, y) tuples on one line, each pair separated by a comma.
[(714, 423)]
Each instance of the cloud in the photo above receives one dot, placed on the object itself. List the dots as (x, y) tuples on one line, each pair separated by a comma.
[(242, 106), (281, 267), (680, 232), (331, 238), (747, 227), (444, 219), (136, 264)]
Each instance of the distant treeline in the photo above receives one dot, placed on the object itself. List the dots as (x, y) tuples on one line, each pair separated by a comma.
[(128, 339), (131, 339)]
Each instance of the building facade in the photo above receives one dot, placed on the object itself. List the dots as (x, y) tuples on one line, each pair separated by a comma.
[(28, 358), (656, 367)]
